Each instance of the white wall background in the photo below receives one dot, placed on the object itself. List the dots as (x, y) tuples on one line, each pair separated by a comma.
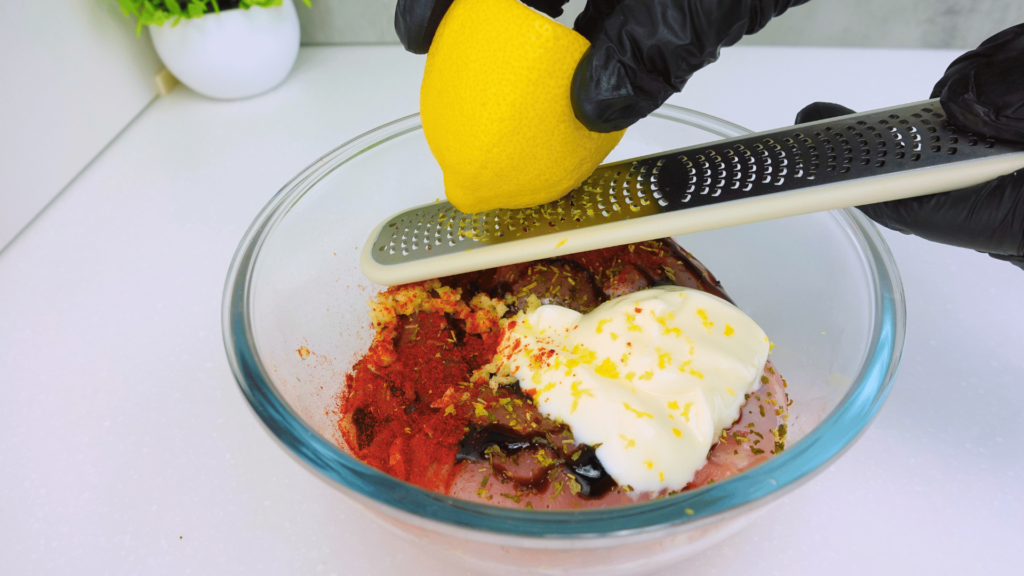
[(72, 76), (883, 23), (892, 23)]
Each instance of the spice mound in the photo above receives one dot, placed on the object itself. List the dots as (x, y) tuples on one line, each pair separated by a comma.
[(597, 379)]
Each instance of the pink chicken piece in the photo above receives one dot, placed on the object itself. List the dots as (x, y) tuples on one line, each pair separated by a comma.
[(758, 434)]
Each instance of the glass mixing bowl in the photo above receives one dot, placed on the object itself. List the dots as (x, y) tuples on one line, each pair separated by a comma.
[(823, 286)]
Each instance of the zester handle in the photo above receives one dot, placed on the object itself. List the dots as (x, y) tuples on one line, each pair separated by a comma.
[(898, 152)]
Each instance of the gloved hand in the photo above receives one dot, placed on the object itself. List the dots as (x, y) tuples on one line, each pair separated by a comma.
[(642, 51), (981, 92)]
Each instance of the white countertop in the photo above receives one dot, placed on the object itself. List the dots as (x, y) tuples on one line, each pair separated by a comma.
[(126, 447)]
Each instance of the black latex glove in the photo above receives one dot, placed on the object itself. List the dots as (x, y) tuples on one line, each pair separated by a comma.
[(416, 21), (981, 92), (642, 51)]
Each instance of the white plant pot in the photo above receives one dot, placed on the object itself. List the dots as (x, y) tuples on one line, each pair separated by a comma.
[(232, 54)]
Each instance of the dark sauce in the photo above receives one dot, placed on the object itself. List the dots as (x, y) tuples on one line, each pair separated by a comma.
[(476, 442), (516, 391), (590, 474), (366, 426), (457, 327)]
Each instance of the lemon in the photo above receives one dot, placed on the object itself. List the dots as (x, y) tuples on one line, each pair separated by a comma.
[(496, 110)]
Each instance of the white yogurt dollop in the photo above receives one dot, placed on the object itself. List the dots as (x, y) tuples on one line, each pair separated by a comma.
[(652, 377)]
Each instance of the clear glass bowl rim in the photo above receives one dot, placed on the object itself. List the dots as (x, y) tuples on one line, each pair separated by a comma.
[(797, 464)]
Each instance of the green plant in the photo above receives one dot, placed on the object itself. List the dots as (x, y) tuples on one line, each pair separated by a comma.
[(157, 12)]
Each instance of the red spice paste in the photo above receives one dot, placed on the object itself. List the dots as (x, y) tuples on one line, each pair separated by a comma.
[(399, 396)]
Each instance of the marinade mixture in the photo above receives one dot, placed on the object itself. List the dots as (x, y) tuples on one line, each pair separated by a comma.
[(426, 404)]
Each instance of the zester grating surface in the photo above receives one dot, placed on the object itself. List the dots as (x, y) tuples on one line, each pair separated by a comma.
[(859, 146)]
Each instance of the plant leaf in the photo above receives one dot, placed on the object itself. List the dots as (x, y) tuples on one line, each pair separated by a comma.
[(158, 12)]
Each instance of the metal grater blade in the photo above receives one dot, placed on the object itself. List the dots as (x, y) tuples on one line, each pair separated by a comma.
[(898, 152)]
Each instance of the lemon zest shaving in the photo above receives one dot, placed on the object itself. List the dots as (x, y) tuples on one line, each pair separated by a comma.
[(578, 393), (638, 413), (704, 319), (607, 369), (686, 410)]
